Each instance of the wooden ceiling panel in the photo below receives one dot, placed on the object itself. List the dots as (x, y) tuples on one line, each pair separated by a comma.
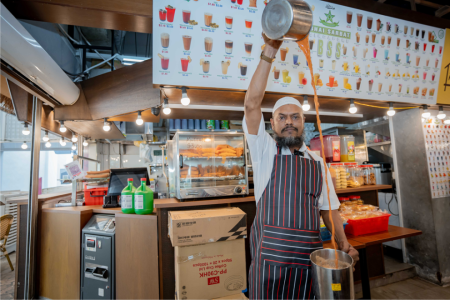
[(94, 129)]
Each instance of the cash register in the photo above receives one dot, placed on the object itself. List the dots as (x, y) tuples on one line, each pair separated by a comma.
[(118, 181)]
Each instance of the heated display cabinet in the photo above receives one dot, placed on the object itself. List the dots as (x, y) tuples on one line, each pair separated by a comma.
[(204, 165)]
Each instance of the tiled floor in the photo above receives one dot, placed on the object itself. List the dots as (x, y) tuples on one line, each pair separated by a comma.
[(414, 288), (7, 277)]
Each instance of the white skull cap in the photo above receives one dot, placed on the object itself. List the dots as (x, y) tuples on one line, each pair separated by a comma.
[(285, 101)]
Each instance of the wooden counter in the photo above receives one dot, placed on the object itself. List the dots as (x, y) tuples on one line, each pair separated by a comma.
[(136, 252)]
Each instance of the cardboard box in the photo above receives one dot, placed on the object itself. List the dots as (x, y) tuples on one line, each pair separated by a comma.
[(196, 227), (210, 270)]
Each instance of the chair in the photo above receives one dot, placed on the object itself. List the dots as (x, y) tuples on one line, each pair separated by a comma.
[(5, 225)]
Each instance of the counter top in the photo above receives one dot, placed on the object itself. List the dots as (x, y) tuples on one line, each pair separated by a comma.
[(173, 202), (97, 209), (43, 197)]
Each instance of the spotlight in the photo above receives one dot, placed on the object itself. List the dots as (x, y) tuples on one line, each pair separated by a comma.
[(426, 113), (353, 109), (48, 144), (85, 143), (441, 115), (391, 110), (184, 97), (46, 138), (62, 128), (139, 120), (25, 130), (74, 147), (306, 105), (447, 121), (106, 125), (166, 108), (62, 142), (24, 145), (74, 138)]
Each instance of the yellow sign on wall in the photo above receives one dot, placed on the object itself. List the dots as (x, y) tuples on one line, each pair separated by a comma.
[(443, 96)]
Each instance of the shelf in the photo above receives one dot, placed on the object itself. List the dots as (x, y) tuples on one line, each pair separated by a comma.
[(85, 179), (206, 130), (157, 165), (364, 188), (211, 178), (379, 144), (201, 157)]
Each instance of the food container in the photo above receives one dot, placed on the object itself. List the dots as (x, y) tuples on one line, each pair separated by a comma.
[(95, 196), (369, 225), (338, 176), (287, 20), (331, 143), (332, 283), (356, 200), (347, 148), (355, 176), (343, 201), (369, 175)]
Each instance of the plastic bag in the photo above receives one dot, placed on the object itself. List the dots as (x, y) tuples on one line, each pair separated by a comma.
[(145, 153)]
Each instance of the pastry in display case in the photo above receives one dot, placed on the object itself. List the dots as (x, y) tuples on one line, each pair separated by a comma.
[(203, 165)]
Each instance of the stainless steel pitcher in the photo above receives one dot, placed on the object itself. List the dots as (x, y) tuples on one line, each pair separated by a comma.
[(287, 20), (330, 283)]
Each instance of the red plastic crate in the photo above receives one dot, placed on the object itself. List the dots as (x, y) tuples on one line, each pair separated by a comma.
[(369, 225), (95, 196)]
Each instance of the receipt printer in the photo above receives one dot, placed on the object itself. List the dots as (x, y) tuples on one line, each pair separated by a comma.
[(97, 263)]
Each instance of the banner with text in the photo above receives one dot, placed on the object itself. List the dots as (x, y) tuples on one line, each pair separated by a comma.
[(355, 54)]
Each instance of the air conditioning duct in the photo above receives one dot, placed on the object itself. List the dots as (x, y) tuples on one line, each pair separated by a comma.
[(22, 52)]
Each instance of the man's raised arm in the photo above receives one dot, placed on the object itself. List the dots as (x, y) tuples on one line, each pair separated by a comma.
[(257, 87)]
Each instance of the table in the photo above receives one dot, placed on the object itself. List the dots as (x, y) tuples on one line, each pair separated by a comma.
[(361, 242)]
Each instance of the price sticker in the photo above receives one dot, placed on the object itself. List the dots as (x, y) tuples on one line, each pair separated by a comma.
[(336, 287)]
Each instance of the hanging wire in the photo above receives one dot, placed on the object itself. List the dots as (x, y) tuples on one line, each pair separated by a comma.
[(384, 106)]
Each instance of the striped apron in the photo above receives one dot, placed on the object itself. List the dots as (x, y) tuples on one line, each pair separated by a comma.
[(286, 230)]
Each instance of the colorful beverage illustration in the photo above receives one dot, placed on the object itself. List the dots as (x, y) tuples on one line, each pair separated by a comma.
[(228, 46), (389, 40), (248, 48), (349, 17), (248, 25), (276, 73), (333, 65), (225, 65), (205, 65), (286, 77), (243, 69), (295, 58), (164, 63), (378, 24), (187, 42), (358, 83), (186, 16), (301, 78), (170, 13), (208, 44), (311, 44), (208, 19), (228, 22), (369, 22), (165, 40), (184, 63), (359, 18), (162, 14), (283, 52)]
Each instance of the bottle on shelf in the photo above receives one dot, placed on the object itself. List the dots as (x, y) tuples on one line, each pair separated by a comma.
[(127, 197), (143, 199)]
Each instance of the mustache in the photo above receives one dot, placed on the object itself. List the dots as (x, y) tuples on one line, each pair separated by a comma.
[(289, 127)]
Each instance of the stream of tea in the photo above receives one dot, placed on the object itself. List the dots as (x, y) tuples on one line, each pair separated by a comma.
[(304, 46)]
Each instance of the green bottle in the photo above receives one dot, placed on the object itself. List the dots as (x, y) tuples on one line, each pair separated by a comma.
[(143, 199), (127, 198)]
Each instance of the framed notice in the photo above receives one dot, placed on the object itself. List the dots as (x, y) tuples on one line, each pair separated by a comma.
[(355, 54)]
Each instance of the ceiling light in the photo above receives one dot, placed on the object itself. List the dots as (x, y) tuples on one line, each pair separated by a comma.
[(25, 130), (184, 97), (139, 120), (85, 143), (128, 64), (106, 125), (74, 147), (74, 138), (441, 115), (62, 128), (306, 105), (46, 138), (391, 110), (426, 113), (166, 108), (24, 145), (62, 142), (48, 144), (447, 121), (353, 109)]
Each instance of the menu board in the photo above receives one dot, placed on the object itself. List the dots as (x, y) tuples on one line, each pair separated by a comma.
[(355, 54), (437, 142)]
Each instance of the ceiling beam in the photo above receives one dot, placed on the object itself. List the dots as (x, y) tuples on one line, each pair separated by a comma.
[(130, 15), (442, 11)]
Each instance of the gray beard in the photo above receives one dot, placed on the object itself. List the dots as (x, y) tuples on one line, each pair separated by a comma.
[(290, 141)]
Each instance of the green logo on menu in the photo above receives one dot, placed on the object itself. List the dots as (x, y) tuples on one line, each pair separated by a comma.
[(331, 32), (329, 21)]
